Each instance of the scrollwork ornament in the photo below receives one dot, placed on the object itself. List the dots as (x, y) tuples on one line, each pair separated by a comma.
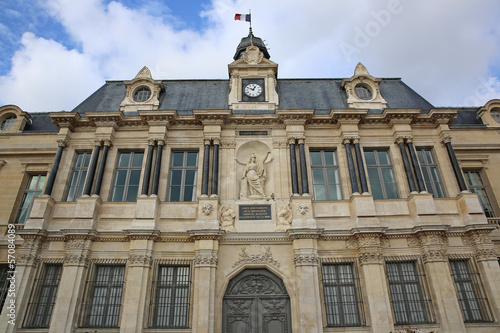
[(351, 244), (306, 259), (431, 255), (371, 240), (206, 260), (138, 259), (371, 257)]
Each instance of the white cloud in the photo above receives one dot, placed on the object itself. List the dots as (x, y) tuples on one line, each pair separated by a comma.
[(444, 50), (47, 77)]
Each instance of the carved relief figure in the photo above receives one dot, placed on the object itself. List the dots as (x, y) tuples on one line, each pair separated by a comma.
[(253, 179), (284, 218), (227, 216)]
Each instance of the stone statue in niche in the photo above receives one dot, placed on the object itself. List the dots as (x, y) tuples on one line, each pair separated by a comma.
[(226, 219), (254, 179), (284, 218)]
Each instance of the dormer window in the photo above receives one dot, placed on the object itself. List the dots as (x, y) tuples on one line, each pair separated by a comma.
[(495, 114), (142, 94), (363, 92), (7, 123)]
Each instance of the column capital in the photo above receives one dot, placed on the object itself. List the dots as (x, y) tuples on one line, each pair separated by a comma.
[(291, 140), (98, 142), (160, 141), (107, 142), (399, 139), (62, 142), (446, 139), (151, 142)]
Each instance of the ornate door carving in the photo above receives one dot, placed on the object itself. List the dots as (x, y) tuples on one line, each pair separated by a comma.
[(256, 301)]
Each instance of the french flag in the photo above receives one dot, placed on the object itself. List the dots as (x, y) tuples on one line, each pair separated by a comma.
[(242, 17)]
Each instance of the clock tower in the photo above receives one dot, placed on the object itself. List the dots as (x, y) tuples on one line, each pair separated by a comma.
[(253, 78)]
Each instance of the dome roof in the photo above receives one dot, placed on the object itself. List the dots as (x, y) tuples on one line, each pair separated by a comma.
[(249, 40)]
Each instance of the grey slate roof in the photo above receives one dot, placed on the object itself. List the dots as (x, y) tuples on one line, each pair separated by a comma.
[(40, 122), (317, 94), (467, 117)]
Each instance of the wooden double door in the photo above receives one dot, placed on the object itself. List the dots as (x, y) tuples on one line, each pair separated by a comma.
[(256, 301)]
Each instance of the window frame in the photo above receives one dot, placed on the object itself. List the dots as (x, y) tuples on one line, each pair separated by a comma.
[(326, 180), (416, 286), (89, 305), (380, 178), (179, 312), (484, 189), (470, 285), (184, 168), (5, 269), (129, 168), (39, 311), (332, 300), (82, 172), (426, 168), (26, 191)]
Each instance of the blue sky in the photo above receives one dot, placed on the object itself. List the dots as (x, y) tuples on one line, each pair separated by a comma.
[(55, 53)]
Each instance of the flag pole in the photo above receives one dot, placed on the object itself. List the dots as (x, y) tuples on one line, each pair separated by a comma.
[(251, 32)]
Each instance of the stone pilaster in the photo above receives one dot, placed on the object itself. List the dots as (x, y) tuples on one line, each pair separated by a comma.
[(27, 258), (371, 260), (486, 256), (77, 257), (306, 260), (433, 246), (205, 267), (138, 271)]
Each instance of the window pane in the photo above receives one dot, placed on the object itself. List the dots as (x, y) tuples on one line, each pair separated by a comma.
[(176, 177), (135, 176), (319, 192), (121, 177), (137, 159), (370, 158), (177, 159), (175, 193), (318, 176), (188, 193), (383, 157), (332, 175), (190, 177), (192, 159), (330, 158), (118, 193), (132, 193), (315, 158), (387, 175), (124, 160)]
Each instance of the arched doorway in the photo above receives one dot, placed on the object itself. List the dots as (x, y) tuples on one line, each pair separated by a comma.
[(256, 301)]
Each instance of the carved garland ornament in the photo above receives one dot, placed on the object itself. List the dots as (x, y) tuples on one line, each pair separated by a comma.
[(306, 259), (245, 258)]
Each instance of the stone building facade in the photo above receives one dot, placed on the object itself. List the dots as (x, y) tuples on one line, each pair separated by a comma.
[(253, 204)]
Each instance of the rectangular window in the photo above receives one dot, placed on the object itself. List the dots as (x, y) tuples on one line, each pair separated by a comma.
[(476, 185), (78, 176), (128, 175), (43, 296), (183, 175), (407, 286), (380, 174), (5, 273), (325, 175), (342, 297), (33, 190), (103, 296), (170, 304), (470, 293), (430, 172)]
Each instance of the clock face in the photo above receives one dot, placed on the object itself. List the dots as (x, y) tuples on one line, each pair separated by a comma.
[(253, 90)]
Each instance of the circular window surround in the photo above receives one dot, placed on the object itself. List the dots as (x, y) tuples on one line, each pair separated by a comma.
[(7, 122), (142, 94), (495, 114), (363, 92)]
